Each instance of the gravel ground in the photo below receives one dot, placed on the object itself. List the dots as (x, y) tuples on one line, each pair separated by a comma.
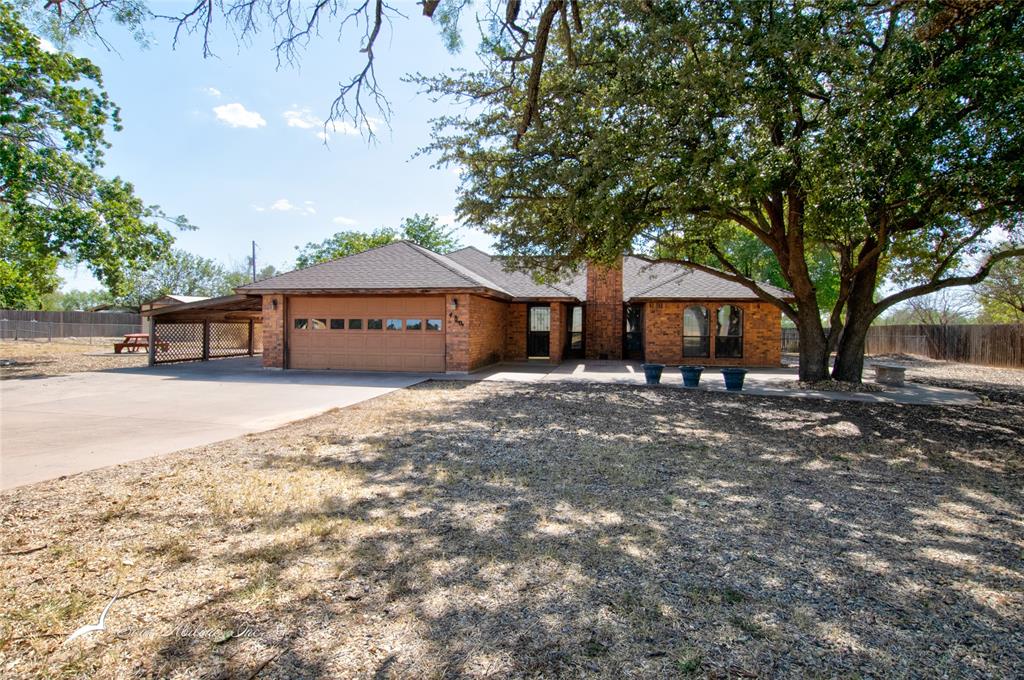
[(537, 530), (33, 359)]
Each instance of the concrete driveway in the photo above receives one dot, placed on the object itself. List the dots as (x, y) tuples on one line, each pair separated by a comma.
[(51, 427)]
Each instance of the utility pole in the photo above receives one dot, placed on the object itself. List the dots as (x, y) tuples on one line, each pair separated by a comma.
[(254, 261)]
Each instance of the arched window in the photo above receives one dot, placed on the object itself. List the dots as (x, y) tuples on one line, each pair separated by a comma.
[(729, 339), (696, 332)]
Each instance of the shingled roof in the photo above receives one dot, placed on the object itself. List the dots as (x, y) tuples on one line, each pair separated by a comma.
[(405, 265), (397, 265), (519, 284)]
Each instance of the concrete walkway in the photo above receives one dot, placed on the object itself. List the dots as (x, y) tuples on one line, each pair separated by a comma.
[(51, 427), (775, 382)]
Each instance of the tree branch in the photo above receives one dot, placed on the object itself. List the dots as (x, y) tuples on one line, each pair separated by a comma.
[(939, 284)]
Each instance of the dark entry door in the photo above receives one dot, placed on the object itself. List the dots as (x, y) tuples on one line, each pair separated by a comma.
[(634, 335), (538, 331), (574, 333)]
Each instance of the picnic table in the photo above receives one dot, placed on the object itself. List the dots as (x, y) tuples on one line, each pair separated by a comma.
[(133, 342)]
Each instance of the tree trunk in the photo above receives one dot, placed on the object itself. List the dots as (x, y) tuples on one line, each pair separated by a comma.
[(813, 346), (849, 364), (860, 312)]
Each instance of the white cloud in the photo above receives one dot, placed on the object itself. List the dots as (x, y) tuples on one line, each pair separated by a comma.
[(212, 91), (47, 46), (237, 115), (284, 205), (345, 221), (344, 127), (301, 118)]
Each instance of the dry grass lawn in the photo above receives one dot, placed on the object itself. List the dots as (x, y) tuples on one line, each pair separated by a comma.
[(37, 359), (496, 530)]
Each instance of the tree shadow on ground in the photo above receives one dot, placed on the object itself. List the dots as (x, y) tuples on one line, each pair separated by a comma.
[(606, 530)]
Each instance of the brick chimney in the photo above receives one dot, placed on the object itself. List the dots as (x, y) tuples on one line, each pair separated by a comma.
[(603, 334)]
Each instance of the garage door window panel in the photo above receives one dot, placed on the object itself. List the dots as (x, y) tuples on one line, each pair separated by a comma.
[(319, 324), (394, 324), (301, 324), (374, 324), (414, 324), (355, 324), (433, 325), (337, 324)]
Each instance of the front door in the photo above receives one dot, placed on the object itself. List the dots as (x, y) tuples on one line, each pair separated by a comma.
[(538, 331), (633, 339), (574, 333)]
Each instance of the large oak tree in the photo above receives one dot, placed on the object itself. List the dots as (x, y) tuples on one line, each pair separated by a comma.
[(887, 133), (54, 204)]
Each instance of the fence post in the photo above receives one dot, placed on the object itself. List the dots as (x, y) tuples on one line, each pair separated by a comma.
[(152, 342), (206, 340), (251, 335)]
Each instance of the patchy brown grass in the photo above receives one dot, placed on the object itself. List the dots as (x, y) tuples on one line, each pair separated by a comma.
[(37, 359), (539, 530)]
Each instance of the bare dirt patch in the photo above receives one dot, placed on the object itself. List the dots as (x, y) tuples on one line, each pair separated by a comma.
[(533, 530), (36, 359)]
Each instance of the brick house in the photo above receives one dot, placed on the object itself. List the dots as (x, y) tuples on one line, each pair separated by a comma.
[(401, 307)]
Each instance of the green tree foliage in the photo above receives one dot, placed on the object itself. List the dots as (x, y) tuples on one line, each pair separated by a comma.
[(242, 275), (28, 271), (1002, 293), (55, 207), (179, 273), (884, 134), (76, 300), (341, 244), (422, 230)]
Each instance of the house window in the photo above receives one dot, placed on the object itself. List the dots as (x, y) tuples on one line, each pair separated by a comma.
[(696, 332), (337, 324), (319, 324), (355, 324), (414, 324), (729, 340), (374, 324), (394, 324), (301, 324), (433, 324)]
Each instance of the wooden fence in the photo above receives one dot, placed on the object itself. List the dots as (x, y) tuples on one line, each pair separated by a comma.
[(986, 344), (22, 324)]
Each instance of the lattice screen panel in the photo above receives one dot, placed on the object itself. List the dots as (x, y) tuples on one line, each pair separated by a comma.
[(179, 342), (229, 339)]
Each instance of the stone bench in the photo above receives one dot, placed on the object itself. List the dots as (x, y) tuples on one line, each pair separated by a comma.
[(890, 374)]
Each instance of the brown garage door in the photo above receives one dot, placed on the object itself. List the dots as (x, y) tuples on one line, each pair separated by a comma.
[(367, 333)]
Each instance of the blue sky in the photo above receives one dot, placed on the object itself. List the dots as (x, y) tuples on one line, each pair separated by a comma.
[(232, 142)]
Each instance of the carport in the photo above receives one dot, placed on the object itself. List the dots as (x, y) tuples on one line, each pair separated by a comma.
[(227, 326)]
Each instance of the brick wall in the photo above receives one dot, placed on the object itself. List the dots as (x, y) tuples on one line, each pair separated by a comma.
[(603, 330), (476, 332), (273, 331), (762, 334), (558, 312), (456, 334), (486, 331), (515, 332)]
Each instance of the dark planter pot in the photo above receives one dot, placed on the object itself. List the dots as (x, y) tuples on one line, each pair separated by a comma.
[(734, 378), (652, 373), (691, 375)]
